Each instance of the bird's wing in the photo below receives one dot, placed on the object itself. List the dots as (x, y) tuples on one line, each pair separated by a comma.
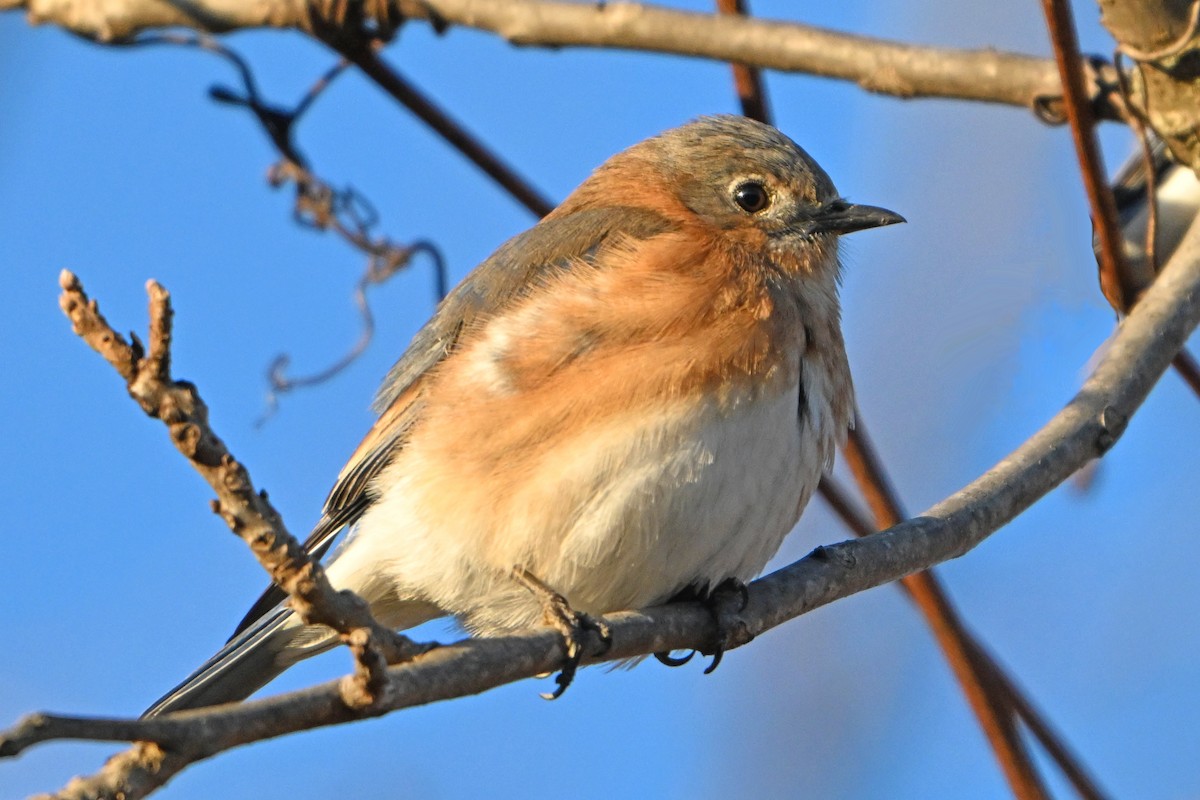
[(522, 263), (1130, 183)]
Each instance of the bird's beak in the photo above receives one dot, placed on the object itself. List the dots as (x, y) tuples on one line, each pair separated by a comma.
[(839, 217)]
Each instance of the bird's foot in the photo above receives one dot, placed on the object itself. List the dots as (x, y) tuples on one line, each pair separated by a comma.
[(573, 625), (725, 602)]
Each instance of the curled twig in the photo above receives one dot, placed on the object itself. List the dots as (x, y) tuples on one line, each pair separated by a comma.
[(318, 205), (386, 260)]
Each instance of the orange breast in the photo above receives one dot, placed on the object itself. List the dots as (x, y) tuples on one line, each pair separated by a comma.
[(655, 324)]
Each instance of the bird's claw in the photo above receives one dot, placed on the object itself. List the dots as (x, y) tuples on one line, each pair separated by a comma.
[(666, 659), (726, 601), (573, 625), (574, 632)]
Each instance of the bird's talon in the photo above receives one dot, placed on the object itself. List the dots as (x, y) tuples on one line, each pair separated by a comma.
[(572, 626), (727, 599), (562, 680), (666, 659)]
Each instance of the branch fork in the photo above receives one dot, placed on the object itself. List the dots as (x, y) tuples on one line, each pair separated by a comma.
[(247, 512)]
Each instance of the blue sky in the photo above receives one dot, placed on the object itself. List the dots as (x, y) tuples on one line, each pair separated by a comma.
[(967, 328)]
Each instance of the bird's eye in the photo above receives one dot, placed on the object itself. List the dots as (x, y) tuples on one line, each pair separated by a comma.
[(751, 196)]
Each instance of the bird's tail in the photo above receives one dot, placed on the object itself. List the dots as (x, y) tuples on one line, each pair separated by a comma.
[(247, 662)]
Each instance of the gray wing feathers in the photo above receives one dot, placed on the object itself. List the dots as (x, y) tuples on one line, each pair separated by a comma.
[(521, 263), (247, 663)]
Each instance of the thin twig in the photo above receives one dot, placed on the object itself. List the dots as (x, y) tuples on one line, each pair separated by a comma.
[(276, 123), (994, 696), (318, 205), (973, 667), (865, 465), (365, 57), (1137, 122), (747, 80), (246, 511), (1081, 780), (1114, 278), (1184, 363)]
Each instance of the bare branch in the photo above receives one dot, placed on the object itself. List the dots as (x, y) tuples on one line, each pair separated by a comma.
[(1115, 280), (877, 65), (247, 512), (425, 109), (747, 81)]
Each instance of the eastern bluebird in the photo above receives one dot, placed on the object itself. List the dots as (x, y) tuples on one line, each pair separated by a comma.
[(634, 398)]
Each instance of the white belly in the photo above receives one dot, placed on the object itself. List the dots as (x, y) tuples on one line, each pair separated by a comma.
[(707, 498), (633, 514)]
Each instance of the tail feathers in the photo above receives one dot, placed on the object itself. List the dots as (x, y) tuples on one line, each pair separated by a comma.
[(247, 663)]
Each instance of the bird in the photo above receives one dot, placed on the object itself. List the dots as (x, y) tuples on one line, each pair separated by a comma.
[(1177, 200), (632, 400)]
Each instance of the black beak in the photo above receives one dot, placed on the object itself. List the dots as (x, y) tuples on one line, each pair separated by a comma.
[(841, 217)]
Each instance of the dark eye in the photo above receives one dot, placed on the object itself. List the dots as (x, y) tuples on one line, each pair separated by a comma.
[(751, 197)]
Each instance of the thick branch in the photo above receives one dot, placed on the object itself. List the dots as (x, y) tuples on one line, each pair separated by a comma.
[(1086, 428), (877, 65)]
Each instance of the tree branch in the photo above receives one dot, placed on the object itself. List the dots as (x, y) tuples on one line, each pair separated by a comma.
[(247, 512), (452, 132), (1086, 428), (1115, 280), (877, 65), (1162, 38), (747, 81)]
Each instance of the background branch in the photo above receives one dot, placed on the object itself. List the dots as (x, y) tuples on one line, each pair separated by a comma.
[(1117, 281), (877, 65)]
